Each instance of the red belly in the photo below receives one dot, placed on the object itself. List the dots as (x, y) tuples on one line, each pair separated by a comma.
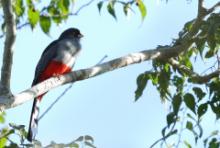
[(54, 68)]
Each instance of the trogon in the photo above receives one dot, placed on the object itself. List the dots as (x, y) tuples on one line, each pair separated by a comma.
[(57, 59)]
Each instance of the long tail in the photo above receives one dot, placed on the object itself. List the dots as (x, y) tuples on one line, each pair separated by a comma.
[(32, 131)]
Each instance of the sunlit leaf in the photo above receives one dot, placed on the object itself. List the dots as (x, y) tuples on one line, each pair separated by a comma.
[(19, 7), (33, 17), (142, 8)]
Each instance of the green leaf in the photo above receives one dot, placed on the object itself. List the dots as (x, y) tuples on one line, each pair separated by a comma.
[(187, 144), (33, 17), (126, 8), (199, 93), (45, 23), (142, 80), (3, 142), (190, 102), (200, 44), (210, 53), (189, 125), (202, 109), (171, 118), (111, 10), (19, 7), (99, 5), (63, 5), (142, 9), (177, 100)]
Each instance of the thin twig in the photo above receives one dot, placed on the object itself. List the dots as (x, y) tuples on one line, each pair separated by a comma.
[(63, 93)]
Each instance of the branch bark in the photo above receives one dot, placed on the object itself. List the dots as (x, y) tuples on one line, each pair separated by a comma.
[(8, 47)]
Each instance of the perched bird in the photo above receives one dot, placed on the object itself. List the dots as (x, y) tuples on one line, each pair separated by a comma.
[(57, 59)]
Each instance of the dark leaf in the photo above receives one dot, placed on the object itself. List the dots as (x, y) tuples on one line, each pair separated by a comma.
[(141, 84), (163, 131), (177, 100), (190, 102), (79, 139), (99, 5), (199, 93), (89, 138), (89, 144), (111, 9), (202, 109), (170, 118), (200, 44), (189, 125)]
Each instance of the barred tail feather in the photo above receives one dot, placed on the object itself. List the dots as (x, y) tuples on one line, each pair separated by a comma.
[(32, 131)]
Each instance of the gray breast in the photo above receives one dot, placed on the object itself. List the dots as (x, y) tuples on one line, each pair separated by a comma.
[(67, 51)]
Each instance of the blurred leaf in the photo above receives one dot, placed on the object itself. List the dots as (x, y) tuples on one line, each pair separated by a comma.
[(2, 117), (209, 54), (110, 8), (199, 93), (142, 80), (3, 142), (163, 131), (89, 138), (126, 8), (189, 125), (89, 144), (142, 9), (12, 145), (177, 100), (63, 5), (79, 139), (99, 5), (202, 109), (214, 143), (170, 118), (33, 17), (19, 7), (190, 101), (200, 44), (187, 144), (45, 23)]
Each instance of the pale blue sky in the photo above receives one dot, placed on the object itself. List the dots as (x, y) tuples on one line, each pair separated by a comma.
[(104, 106)]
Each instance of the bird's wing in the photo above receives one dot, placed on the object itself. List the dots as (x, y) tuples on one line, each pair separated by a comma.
[(48, 54)]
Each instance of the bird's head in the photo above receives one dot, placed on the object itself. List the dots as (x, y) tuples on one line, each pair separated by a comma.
[(71, 33)]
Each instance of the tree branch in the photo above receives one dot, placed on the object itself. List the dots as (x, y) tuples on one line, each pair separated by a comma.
[(83, 74), (8, 47), (196, 78)]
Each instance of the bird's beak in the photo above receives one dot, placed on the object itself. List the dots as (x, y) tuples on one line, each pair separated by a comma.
[(80, 35)]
